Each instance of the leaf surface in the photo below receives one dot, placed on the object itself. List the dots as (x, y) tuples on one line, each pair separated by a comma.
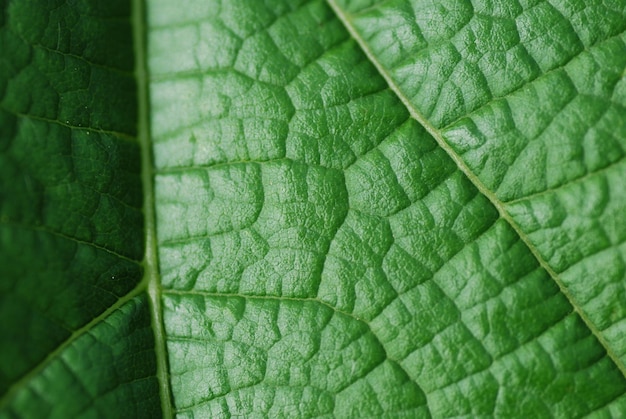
[(76, 335), (532, 107), (395, 217)]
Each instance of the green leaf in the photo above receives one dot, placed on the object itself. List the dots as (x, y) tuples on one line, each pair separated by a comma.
[(368, 209), (555, 169)]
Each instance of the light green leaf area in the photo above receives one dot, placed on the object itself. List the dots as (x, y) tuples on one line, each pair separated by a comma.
[(531, 98), (367, 209)]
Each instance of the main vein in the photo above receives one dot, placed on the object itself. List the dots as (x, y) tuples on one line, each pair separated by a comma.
[(151, 262), (432, 130)]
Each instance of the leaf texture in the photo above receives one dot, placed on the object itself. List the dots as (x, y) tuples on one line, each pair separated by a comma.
[(533, 103), (76, 336), (367, 209)]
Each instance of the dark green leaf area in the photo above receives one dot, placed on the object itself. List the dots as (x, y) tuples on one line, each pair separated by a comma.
[(71, 201), (76, 183), (107, 372), (53, 286), (57, 73), (69, 205), (70, 211), (90, 30)]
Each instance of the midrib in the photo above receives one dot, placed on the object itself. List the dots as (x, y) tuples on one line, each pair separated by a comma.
[(436, 134), (151, 277)]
